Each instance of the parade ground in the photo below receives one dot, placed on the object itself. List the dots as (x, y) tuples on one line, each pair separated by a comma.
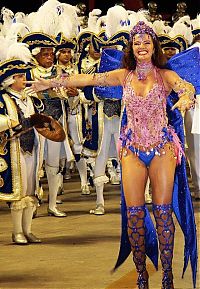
[(79, 251)]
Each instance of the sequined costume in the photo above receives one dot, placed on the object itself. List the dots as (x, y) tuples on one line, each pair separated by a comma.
[(147, 127), (164, 125)]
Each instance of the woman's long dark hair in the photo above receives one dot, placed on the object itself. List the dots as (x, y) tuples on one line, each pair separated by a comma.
[(158, 57)]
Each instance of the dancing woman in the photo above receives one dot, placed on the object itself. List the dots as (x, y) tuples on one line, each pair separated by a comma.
[(148, 147)]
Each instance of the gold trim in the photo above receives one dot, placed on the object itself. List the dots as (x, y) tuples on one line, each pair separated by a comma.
[(66, 143), (89, 153), (4, 123), (96, 99), (37, 41), (83, 99), (111, 117), (79, 124), (3, 165), (11, 66), (15, 157), (101, 124)]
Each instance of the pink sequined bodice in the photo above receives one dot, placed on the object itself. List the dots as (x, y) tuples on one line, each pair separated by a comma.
[(146, 116)]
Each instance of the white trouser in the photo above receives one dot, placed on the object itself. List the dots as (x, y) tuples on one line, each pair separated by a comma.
[(52, 152), (28, 164), (22, 210), (73, 130), (193, 152), (111, 130), (77, 148)]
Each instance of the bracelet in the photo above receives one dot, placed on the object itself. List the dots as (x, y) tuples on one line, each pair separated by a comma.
[(184, 88), (100, 78), (59, 82)]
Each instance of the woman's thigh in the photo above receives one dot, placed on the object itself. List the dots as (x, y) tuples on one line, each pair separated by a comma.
[(134, 178), (161, 173)]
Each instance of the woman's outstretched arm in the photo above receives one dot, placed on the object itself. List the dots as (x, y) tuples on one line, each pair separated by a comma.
[(184, 89), (111, 78)]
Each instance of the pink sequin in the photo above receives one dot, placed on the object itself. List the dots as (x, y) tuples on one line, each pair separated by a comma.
[(147, 124), (146, 115)]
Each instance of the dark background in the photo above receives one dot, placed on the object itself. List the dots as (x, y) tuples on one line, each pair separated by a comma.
[(165, 7)]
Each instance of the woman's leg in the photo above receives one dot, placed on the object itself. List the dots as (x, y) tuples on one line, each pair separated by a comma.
[(161, 174), (134, 177)]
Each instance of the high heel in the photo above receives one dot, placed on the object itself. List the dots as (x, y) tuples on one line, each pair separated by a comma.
[(165, 230), (167, 281), (143, 280), (136, 233)]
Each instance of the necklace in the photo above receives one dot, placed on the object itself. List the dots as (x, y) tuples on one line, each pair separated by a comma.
[(143, 69)]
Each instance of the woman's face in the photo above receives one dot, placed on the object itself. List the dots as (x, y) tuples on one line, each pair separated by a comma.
[(143, 47), (19, 83)]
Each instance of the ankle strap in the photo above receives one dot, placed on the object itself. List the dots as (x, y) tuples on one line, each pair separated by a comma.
[(163, 207)]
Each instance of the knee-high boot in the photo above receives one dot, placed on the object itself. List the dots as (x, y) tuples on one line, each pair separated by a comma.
[(136, 233), (27, 217), (53, 177), (82, 169), (16, 215), (165, 230)]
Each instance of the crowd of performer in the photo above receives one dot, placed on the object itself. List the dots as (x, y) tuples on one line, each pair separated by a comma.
[(72, 95), (49, 43)]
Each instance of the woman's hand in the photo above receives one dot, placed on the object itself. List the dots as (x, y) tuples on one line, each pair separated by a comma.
[(183, 104), (38, 85)]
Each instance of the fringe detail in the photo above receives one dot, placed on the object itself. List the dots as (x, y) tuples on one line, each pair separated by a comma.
[(25, 202)]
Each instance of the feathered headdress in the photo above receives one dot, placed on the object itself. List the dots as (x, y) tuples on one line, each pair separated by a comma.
[(15, 58), (195, 24), (116, 20)]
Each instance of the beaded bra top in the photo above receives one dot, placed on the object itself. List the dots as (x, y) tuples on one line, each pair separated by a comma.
[(146, 116)]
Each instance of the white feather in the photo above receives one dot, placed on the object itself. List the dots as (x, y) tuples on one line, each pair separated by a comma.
[(68, 16), (139, 16), (19, 17), (195, 23), (5, 43), (181, 29), (92, 20), (7, 16), (101, 23), (160, 27), (185, 20), (115, 17), (19, 51), (17, 29)]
